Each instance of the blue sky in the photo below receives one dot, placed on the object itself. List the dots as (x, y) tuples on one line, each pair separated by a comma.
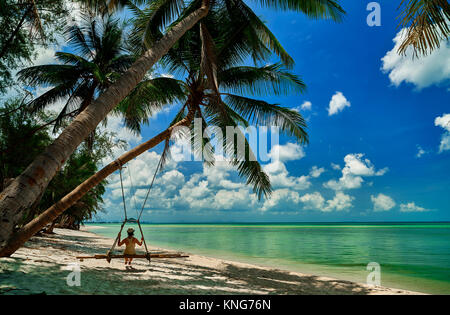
[(383, 156)]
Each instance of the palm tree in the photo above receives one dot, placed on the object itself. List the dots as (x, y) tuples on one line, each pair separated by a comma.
[(80, 78), (204, 103), (24, 190), (224, 105), (426, 23)]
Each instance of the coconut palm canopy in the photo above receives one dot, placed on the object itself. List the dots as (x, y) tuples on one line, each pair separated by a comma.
[(86, 122), (211, 63), (99, 57), (427, 25)]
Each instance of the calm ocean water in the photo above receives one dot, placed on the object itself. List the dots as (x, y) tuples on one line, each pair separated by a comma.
[(412, 256)]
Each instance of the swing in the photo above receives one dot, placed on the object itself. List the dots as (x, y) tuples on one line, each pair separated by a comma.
[(109, 255)]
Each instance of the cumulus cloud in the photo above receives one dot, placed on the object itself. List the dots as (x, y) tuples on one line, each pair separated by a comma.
[(313, 201), (444, 122), (115, 124), (336, 167), (432, 69), (214, 188), (284, 199), (306, 106), (411, 207), (356, 167), (279, 177), (340, 202), (286, 152), (382, 202), (316, 171), (337, 104)]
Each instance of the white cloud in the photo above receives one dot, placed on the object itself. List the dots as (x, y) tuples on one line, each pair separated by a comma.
[(411, 207), (313, 201), (420, 152), (337, 104), (382, 202), (336, 167), (340, 202), (444, 122), (228, 199), (115, 124), (288, 200), (287, 152), (356, 167), (279, 177), (316, 172), (284, 199), (307, 105), (432, 69), (445, 142), (45, 55)]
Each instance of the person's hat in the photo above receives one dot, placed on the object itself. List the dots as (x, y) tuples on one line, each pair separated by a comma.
[(130, 230)]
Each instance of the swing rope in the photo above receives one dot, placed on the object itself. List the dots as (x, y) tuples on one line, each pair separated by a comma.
[(123, 194), (151, 185), (133, 192), (147, 253)]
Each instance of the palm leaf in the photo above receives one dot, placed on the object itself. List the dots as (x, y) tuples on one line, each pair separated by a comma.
[(316, 9), (426, 23), (240, 157), (147, 98), (260, 80), (265, 114)]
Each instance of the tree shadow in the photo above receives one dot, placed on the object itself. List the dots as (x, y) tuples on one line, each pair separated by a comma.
[(32, 273)]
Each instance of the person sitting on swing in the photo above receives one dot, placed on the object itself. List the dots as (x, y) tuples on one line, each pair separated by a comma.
[(130, 244)]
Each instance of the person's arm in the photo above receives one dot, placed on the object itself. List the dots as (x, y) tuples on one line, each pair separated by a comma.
[(121, 242), (139, 243)]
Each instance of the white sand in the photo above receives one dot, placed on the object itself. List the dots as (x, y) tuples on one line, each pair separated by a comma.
[(41, 267)]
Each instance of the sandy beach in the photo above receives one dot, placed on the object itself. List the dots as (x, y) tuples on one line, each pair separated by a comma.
[(42, 266)]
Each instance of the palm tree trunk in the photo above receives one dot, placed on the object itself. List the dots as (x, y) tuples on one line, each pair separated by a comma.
[(49, 215), (22, 193)]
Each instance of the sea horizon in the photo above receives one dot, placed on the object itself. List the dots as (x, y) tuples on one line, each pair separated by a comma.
[(273, 222)]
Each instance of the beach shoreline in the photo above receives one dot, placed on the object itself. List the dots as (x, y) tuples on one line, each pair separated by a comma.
[(43, 264)]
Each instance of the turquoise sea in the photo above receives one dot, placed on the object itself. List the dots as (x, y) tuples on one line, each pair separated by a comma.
[(413, 256)]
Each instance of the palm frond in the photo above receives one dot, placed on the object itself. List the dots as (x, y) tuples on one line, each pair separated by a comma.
[(203, 147), (239, 8), (48, 75), (150, 21), (76, 38), (240, 156), (147, 98), (59, 92), (260, 80), (265, 114), (316, 9), (426, 23)]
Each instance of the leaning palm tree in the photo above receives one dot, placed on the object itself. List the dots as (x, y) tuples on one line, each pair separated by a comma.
[(25, 189), (77, 78), (205, 103), (426, 23), (217, 99), (99, 57)]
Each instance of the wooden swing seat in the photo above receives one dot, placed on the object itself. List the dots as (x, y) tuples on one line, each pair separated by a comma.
[(81, 258)]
